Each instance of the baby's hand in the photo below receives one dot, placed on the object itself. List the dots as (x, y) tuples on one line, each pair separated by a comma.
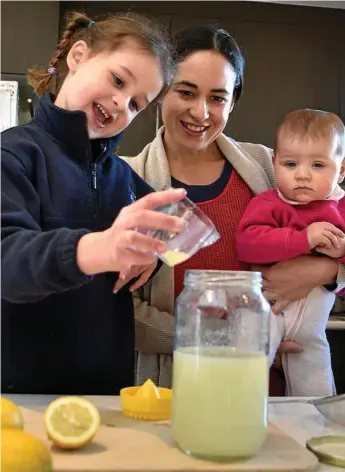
[(334, 253), (324, 235)]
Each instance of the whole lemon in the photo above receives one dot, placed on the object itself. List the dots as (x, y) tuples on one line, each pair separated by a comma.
[(22, 452), (11, 416)]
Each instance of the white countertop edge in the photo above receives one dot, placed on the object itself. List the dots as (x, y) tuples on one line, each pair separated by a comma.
[(336, 324)]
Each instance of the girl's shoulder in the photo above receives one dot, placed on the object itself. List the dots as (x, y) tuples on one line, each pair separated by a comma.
[(21, 143)]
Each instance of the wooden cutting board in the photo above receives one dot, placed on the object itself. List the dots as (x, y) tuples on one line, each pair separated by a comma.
[(127, 445)]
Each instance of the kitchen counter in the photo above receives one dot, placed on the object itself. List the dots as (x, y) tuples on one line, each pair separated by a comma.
[(299, 420), (336, 321), (302, 421)]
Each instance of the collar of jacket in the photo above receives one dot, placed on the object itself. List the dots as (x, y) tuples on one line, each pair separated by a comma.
[(69, 128)]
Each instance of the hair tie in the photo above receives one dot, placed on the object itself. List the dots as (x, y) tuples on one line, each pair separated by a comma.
[(52, 71), (90, 25)]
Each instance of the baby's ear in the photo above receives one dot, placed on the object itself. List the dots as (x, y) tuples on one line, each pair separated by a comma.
[(342, 172)]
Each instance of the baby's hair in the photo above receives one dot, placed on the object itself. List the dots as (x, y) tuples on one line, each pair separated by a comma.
[(313, 124), (105, 36)]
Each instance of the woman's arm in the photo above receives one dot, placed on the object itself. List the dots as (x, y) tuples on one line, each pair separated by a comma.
[(338, 282), (339, 279), (154, 329), (292, 280)]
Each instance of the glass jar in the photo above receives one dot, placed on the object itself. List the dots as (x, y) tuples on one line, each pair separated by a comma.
[(220, 372)]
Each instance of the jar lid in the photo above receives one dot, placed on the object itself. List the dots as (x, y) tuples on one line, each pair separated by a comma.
[(146, 402), (329, 449)]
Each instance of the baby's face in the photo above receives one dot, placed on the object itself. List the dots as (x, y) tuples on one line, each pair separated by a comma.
[(306, 169)]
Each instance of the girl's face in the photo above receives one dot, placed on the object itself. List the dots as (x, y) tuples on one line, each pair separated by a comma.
[(197, 106), (110, 87)]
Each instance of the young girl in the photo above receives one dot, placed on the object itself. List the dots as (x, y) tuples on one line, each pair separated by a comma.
[(306, 214), (68, 216)]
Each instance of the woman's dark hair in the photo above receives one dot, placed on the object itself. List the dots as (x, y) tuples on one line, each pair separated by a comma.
[(211, 38)]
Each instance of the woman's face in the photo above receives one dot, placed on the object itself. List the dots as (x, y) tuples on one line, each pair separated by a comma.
[(197, 106)]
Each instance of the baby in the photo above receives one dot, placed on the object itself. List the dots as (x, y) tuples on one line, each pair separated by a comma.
[(305, 215)]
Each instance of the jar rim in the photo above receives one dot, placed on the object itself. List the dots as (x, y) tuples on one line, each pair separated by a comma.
[(193, 276)]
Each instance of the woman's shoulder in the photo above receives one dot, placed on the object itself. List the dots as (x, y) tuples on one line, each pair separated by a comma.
[(261, 154), (255, 150), (152, 163), (137, 162)]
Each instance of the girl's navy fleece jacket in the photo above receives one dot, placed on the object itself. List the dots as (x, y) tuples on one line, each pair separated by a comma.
[(62, 332)]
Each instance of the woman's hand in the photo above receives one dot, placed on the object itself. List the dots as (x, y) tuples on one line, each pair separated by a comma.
[(144, 272), (292, 280), (120, 247)]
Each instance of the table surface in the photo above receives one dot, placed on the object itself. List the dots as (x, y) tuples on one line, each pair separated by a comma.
[(336, 321), (292, 415)]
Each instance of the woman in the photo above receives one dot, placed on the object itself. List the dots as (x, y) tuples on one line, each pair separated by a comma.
[(221, 176)]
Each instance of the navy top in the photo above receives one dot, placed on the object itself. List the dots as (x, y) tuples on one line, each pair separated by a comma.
[(204, 193), (62, 332)]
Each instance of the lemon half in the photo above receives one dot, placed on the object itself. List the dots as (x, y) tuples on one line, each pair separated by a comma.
[(71, 422)]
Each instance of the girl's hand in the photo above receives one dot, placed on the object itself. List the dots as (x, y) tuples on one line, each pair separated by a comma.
[(120, 247)]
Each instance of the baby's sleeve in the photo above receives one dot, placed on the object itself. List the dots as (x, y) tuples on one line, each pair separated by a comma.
[(260, 239)]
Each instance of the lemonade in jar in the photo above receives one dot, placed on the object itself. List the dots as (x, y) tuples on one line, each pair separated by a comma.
[(220, 376)]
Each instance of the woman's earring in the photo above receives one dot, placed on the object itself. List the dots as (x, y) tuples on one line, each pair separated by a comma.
[(157, 118)]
